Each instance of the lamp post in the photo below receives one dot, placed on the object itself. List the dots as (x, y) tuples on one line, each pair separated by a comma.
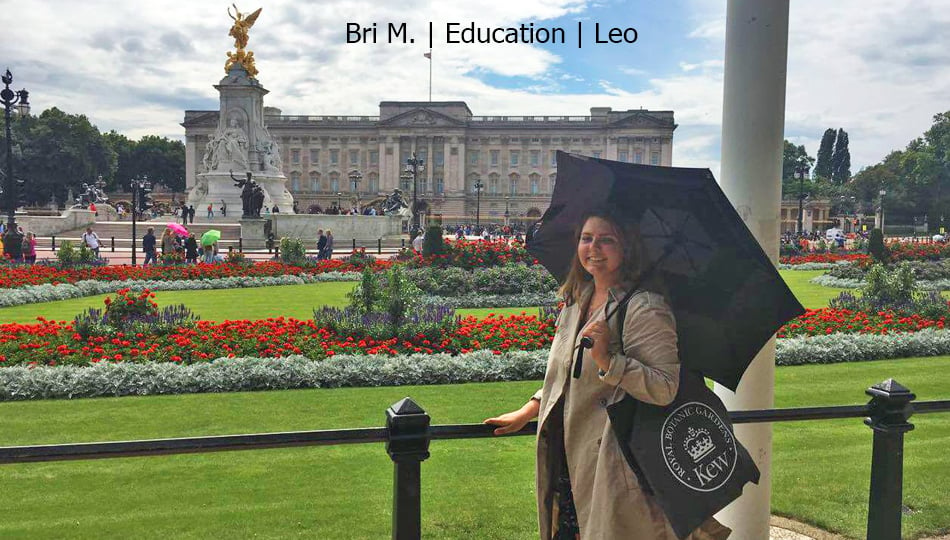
[(339, 207), (13, 240), (479, 186), (355, 178), (139, 186), (883, 192), (414, 166), (801, 171), (506, 210)]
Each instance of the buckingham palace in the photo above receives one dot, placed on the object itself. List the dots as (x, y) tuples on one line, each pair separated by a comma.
[(500, 166)]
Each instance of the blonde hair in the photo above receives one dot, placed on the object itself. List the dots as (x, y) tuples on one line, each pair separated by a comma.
[(628, 234)]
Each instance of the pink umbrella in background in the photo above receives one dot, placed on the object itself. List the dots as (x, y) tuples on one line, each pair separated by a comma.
[(177, 229)]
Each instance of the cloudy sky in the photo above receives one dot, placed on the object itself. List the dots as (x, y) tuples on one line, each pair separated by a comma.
[(878, 68)]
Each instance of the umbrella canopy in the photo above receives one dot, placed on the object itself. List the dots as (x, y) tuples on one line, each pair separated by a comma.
[(210, 237), (177, 229), (726, 294)]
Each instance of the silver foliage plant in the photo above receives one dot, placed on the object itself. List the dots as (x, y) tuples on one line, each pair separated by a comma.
[(247, 374), (33, 294)]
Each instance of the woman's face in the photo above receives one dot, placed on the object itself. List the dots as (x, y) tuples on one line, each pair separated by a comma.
[(600, 251)]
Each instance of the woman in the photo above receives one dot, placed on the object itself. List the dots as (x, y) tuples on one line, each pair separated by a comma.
[(585, 488), (168, 242), (328, 250), (29, 248)]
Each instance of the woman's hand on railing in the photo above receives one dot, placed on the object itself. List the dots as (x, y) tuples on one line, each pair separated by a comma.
[(515, 420)]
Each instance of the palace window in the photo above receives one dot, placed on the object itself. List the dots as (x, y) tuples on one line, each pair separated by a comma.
[(314, 156), (334, 182), (535, 158), (638, 157), (334, 157), (314, 181), (534, 184), (595, 154), (513, 184), (374, 157), (439, 185), (514, 157), (493, 184), (654, 158), (354, 157), (295, 155), (295, 179), (373, 183), (554, 158), (473, 157), (494, 157), (622, 156), (439, 159)]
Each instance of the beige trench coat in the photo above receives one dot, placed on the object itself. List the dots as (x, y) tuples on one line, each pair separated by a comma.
[(573, 417)]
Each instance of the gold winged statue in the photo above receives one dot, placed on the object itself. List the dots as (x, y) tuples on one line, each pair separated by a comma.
[(242, 23)]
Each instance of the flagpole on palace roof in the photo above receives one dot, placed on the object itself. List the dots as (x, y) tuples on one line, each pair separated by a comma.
[(429, 56)]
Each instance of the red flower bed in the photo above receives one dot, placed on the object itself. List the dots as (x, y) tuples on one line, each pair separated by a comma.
[(824, 258), (52, 342), (476, 254), (818, 322), (21, 275), (910, 251)]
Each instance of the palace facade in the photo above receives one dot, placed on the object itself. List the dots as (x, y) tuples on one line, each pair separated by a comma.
[(511, 157)]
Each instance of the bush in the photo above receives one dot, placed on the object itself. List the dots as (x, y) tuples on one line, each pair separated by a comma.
[(67, 254), (132, 313), (359, 259), (876, 247), (893, 290), (366, 295), (292, 251), (500, 280), (433, 243)]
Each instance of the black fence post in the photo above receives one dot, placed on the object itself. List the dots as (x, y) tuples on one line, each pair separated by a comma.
[(379, 246), (241, 245), (890, 408), (354, 245), (52, 242), (404, 243), (408, 446), (113, 244)]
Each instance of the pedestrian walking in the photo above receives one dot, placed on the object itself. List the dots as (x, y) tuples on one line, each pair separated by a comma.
[(148, 246), (191, 249), (329, 247), (321, 244), (29, 248), (91, 239)]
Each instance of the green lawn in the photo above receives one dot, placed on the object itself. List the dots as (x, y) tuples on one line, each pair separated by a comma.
[(471, 489), (299, 300)]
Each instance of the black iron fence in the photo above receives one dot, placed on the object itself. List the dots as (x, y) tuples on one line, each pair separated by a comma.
[(408, 433)]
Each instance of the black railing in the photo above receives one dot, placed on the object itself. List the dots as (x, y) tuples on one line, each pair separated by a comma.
[(408, 433)]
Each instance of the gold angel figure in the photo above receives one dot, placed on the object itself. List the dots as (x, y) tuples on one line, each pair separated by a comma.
[(242, 23)]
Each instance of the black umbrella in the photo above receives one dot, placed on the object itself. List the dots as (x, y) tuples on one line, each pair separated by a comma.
[(726, 295)]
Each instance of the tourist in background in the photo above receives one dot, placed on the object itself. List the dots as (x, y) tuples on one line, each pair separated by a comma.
[(91, 239), (321, 244), (168, 242), (191, 249), (148, 246), (328, 250), (29, 247)]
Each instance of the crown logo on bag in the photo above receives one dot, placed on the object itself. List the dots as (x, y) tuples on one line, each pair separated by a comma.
[(698, 444)]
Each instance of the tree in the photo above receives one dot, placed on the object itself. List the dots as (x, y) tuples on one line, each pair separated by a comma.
[(122, 147), (823, 168), (841, 159), (162, 159), (61, 151)]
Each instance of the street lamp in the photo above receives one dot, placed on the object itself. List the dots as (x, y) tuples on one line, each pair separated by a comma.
[(339, 207), (506, 210), (882, 193), (355, 177), (479, 186), (801, 171), (140, 186), (13, 240), (414, 166)]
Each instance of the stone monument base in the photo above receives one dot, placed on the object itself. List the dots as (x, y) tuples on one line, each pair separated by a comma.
[(217, 187), (252, 233)]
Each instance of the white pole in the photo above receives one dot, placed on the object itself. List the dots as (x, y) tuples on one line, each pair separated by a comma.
[(753, 118)]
